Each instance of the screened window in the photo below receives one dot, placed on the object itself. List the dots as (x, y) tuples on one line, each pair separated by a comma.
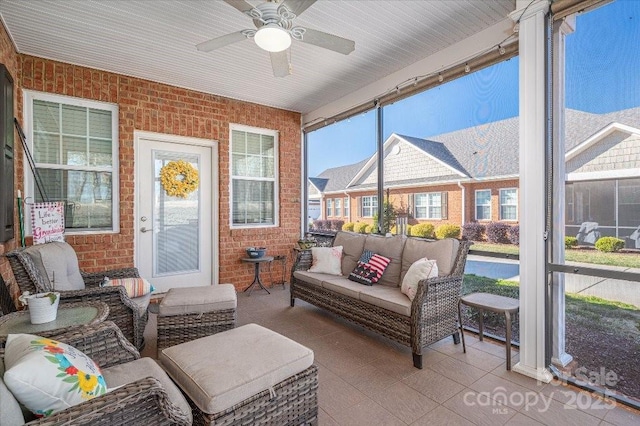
[(75, 149), (253, 176), (369, 205), (346, 207), (483, 204), (337, 207), (509, 204), (430, 205), (329, 207)]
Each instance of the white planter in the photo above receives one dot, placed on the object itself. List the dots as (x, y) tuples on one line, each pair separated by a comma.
[(42, 307)]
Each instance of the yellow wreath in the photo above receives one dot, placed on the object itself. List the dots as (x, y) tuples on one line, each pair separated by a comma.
[(179, 178)]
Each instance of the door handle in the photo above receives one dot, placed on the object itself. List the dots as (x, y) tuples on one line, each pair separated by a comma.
[(143, 229)]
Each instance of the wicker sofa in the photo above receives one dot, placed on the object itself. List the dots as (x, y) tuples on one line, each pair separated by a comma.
[(430, 317)]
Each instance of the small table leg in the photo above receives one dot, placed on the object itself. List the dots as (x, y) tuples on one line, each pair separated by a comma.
[(480, 324), (464, 347), (508, 338), (256, 279)]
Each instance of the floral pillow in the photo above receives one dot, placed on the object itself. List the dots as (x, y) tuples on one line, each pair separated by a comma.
[(326, 260), (47, 376), (420, 269), (135, 287)]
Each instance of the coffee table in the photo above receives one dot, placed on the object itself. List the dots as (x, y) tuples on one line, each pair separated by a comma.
[(70, 315)]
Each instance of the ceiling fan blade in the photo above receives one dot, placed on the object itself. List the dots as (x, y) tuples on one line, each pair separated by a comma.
[(241, 5), (218, 42), (328, 41), (280, 64), (298, 6)]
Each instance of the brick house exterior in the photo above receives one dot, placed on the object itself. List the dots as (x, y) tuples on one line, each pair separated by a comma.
[(155, 107)]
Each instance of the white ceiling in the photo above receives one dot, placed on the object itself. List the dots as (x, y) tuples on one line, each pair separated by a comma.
[(156, 40)]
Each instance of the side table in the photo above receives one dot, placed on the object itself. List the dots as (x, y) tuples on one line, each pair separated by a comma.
[(256, 275), (70, 315)]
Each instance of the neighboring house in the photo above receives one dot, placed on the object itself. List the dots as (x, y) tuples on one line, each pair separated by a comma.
[(472, 174)]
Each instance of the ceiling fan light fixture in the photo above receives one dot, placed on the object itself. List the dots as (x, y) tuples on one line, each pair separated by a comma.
[(272, 38)]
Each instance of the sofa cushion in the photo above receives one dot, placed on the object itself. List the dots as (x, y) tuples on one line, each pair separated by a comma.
[(9, 406), (142, 303), (369, 269), (444, 252), (343, 286), (390, 247), (60, 263), (314, 278), (387, 298), (326, 260), (352, 247), (420, 270), (138, 369)]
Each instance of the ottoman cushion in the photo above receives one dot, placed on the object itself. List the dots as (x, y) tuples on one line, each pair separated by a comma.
[(222, 370), (197, 300)]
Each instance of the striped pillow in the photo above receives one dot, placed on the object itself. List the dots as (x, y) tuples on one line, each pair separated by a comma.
[(135, 287), (370, 268)]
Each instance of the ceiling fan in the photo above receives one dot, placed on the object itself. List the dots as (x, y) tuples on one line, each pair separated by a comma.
[(275, 29)]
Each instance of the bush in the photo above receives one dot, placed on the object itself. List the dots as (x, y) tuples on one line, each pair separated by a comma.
[(360, 227), (514, 234), (424, 230), (409, 229), (497, 233), (319, 224), (447, 231), (609, 244), (570, 242), (349, 226), (473, 231), (368, 229), (336, 224)]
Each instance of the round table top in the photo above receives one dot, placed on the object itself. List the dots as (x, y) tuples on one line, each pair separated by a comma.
[(257, 259), (69, 315), (491, 302)]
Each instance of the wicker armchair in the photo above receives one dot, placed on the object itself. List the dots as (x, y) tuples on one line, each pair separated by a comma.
[(142, 402), (122, 309)]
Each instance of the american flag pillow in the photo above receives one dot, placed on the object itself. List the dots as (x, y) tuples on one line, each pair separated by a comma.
[(370, 268)]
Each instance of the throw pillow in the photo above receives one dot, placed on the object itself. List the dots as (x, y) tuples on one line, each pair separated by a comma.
[(326, 260), (47, 376), (370, 268), (135, 287), (419, 270)]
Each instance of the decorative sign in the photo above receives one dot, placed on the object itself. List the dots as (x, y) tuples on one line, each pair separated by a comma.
[(47, 222)]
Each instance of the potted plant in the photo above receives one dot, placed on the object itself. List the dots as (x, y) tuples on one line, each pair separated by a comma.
[(43, 307)]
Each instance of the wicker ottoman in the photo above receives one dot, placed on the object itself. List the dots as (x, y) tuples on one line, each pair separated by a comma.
[(189, 313), (249, 375)]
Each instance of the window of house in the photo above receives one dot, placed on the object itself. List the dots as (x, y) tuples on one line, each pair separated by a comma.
[(254, 184), (509, 204), (346, 207), (369, 205), (329, 207), (337, 207), (483, 204), (430, 205), (75, 150)]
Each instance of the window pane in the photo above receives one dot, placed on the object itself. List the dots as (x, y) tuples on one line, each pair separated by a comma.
[(74, 151), (268, 146), (238, 141), (254, 166), (253, 143), (100, 124), (253, 202), (100, 152), (238, 165), (74, 120), (46, 148), (46, 117), (268, 168)]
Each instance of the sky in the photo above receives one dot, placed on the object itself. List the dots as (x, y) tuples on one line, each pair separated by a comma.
[(602, 52)]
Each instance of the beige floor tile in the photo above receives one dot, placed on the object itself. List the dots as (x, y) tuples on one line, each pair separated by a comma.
[(337, 396), (578, 398), (479, 408), (400, 364), (623, 416), (505, 392), (404, 402), (368, 379), (520, 379), (441, 416), (521, 420), (459, 371), (446, 346), (479, 359), (325, 420), (494, 348), (549, 411), (366, 413), (433, 385)]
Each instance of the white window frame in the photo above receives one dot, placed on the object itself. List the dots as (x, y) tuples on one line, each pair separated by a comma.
[(275, 179), (428, 206), (329, 207), (337, 207), (346, 209), (29, 183), (482, 205), (373, 206), (501, 204)]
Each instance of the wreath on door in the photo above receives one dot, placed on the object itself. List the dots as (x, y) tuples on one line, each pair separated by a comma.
[(179, 178)]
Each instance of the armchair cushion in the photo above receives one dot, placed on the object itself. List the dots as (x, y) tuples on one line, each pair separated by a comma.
[(135, 287), (59, 262), (9, 406), (420, 270)]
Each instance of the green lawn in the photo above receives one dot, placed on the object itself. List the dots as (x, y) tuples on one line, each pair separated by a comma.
[(629, 260)]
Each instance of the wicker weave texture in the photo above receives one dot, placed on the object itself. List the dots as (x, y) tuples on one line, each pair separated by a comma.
[(295, 403), (176, 329)]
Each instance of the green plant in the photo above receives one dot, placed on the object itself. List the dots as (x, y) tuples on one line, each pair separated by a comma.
[(360, 227), (349, 226), (609, 244), (368, 229), (424, 230), (447, 231), (409, 229), (570, 242)]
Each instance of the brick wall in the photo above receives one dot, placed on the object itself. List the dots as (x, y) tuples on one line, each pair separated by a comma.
[(155, 107)]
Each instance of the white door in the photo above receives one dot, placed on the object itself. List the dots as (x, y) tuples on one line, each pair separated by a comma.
[(174, 234)]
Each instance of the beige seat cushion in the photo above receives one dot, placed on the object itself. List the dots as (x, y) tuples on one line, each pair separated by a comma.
[(129, 372), (197, 300), (142, 303), (314, 278), (10, 410), (388, 298), (59, 261), (222, 370), (344, 286), (390, 247), (352, 247), (444, 252)]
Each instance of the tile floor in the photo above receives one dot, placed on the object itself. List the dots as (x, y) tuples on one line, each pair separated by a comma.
[(368, 380)]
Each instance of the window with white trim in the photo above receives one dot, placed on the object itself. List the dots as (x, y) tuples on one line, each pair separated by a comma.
[(75, 150), (337, 207), (254, 183), (346, 207), (430, 205), (329, 206), (483, 204), (369, 205), (509, 204)]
